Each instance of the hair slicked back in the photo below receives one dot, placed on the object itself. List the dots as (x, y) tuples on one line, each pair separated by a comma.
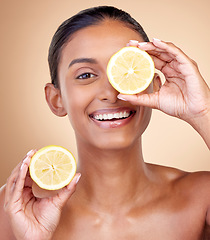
[(83, 19)]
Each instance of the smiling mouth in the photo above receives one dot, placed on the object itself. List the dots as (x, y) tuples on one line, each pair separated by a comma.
[(112, 116)]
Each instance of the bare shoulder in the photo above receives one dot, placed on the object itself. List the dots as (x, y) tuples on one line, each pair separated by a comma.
[(6, 232), (193, 186), (192, 182)]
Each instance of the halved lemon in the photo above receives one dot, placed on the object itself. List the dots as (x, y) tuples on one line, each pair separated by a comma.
[(52, 167), (130, 70)]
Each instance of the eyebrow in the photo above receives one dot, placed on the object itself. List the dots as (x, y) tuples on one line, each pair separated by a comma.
[(82, 60)]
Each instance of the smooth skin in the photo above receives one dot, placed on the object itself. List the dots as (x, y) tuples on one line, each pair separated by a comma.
[(119, 196)]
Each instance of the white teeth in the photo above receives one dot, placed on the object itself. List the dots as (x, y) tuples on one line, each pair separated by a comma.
[(110, 116), (116, 115), (126, 114)]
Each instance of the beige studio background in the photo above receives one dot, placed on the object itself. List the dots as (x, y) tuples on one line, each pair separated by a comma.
[(26, 28)]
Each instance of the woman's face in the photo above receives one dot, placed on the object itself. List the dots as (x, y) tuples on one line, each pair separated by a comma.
[(98, 117)]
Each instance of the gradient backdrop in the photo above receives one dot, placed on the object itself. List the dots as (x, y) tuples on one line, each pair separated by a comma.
[(26, 28)]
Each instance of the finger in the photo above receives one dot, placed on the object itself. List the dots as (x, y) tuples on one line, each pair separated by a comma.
[(66, 192), (150, 47), (28, 180), (24, 168), (157, 46), (133, 43), (12, 187), (18, 190), (165, 50), (31, 152), (12, 181), (159, 56), (169, 70), (164, 57), (173, 50), (147, 100), (146, 46), (173, 57), (153, 50)]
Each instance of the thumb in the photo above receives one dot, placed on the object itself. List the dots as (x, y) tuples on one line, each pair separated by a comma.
[(61, 198), (148, 100)]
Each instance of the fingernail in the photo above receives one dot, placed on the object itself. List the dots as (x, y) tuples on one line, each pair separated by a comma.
[(25, 159), (69, 185), (78, 178), (29, 152), (121, 98), (133, 41), (142, 43), (156, 39), (21, 167)]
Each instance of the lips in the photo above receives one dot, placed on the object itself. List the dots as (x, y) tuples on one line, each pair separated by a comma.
[(112, 118)]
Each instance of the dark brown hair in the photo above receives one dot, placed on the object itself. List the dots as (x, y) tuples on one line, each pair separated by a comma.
[(85, 18)]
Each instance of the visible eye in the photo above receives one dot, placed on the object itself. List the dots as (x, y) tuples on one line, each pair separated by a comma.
[(86, 76)]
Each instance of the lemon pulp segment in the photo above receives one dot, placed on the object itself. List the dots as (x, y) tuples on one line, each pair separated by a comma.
[(52, 167), (130, 70)]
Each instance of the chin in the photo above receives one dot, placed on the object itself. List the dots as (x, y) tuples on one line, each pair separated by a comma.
[(116, 142)]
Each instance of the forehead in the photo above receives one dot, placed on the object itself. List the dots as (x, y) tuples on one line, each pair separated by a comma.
[(100, 40)]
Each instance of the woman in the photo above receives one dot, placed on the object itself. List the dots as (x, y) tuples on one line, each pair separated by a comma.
[(119, 196)]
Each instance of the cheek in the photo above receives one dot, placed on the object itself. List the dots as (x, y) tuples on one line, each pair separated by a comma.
[(76, 104), (144, 119)]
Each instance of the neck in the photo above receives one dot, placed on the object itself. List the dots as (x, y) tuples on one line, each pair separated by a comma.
[(111, 177)]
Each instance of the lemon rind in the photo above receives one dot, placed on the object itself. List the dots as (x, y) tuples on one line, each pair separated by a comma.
[(113, 59), (38, 181)]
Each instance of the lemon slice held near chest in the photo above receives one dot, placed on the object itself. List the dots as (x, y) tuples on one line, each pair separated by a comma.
[(52, 167)]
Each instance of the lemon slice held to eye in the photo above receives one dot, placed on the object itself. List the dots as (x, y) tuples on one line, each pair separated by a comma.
[(130, 70), (52, 167)]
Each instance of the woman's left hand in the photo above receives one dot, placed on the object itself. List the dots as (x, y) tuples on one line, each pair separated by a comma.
[(185, 94)]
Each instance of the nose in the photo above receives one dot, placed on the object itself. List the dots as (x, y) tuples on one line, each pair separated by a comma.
[(107, 92)]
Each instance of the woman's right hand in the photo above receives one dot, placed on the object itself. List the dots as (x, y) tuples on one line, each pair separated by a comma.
[(31, 217)]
